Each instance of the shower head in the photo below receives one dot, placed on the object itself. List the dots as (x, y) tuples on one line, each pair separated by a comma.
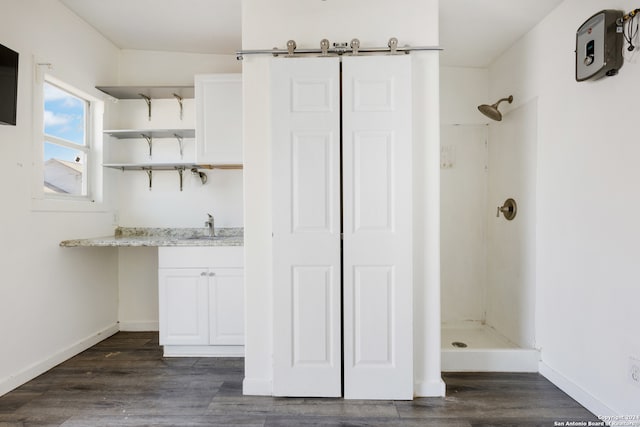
[(492, 111)]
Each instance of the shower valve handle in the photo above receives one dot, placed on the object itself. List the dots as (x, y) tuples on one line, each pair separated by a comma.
[(504, 210), (508, 209)]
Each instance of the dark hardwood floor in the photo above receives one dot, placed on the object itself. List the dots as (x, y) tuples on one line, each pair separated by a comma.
[(125, 381)]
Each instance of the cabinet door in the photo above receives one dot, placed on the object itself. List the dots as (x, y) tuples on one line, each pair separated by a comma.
[(219, 118), (226, 306), (377, 218), (306, 226), (183, 307)]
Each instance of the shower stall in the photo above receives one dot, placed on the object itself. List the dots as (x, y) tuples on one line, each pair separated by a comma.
[(488, 242)]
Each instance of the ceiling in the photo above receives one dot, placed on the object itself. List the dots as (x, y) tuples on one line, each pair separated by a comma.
[(472, 32), (195, 26)]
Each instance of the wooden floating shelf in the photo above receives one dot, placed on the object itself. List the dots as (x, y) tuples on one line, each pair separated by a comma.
[(153, 133), (149, 93), (150, 134), (153, 92), (167, 166), (149, 168)]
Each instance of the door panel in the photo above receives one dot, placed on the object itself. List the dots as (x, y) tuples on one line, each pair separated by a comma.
[(312, 296), (372, 181), (306, 226), (311, 157), (219, 118), (373, 316), (226, 306), (183, 296), (377, 203)]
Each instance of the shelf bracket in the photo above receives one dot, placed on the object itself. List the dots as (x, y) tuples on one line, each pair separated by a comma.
[(179, 99), (180, 144), (150, 175), (148, 101), (180, 170), (149, 139)]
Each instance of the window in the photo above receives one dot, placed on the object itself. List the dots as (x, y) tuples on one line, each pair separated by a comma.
[(66, 143)]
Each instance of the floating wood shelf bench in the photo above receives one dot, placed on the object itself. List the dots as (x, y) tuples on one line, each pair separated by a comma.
[(178, 167), (150, 134)]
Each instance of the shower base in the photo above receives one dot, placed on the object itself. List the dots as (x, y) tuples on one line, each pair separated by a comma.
[(486, 351)]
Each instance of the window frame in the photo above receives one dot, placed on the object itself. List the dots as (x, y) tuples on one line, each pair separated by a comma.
[(86, 148), (41, 201)]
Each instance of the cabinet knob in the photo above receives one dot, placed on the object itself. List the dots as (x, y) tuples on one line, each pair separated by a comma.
[(212, 274), (204, 273)]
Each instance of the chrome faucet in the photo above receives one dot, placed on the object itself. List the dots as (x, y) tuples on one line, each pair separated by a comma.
[(210, 226)]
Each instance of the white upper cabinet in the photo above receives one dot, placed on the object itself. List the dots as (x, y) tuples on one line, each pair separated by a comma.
[(219, 118)]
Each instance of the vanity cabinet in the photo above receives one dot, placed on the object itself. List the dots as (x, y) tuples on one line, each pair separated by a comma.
[(184, 306), (218, 99), (201, 294)]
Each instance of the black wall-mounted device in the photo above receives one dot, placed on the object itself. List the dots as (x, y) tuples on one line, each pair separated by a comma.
[(599, 46), (8, 85)]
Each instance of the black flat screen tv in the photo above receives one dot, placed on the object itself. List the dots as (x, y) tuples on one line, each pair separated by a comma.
[(8, 85)]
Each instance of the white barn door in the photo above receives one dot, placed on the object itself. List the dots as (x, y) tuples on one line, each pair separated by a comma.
[(374, 265), (377, 203), (306, 226)]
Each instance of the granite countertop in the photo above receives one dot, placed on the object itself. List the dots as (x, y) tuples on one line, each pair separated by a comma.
[(128, 237)]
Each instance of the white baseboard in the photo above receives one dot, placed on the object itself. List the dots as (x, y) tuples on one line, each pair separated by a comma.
[(139, 326), (38, 368), (257, 387), (580, 395), (261, 387), (435, 388)]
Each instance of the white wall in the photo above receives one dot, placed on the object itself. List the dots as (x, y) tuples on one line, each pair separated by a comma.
[(148, 68), (462, 89), (165, 205), (138, 289), (511, 276), (587, 209), (54, 301), (269, 24), (463, 207), (463, 193)]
